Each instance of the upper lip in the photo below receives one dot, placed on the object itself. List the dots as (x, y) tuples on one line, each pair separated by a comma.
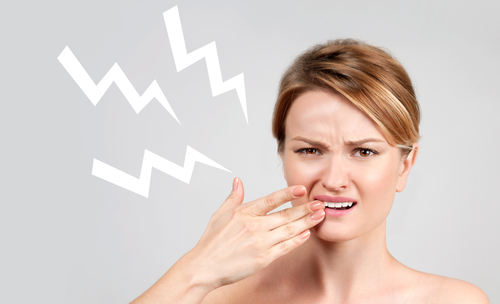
[(334, 199)]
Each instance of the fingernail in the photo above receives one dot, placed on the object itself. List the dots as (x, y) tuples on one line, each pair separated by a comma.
[(316, 205), (305, 234), (298, 191), (235, 184), (317, 215)]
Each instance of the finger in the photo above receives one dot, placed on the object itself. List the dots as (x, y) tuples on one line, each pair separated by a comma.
[(234, 199), (270, 202), (286, 246), (292, 214), (292, 229)]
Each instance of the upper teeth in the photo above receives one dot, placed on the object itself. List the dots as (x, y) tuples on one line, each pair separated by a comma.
[(338, 205)]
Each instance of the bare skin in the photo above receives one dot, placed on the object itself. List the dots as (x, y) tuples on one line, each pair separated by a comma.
[(240, 240), (346, 258), (249, 256), (350, 279)]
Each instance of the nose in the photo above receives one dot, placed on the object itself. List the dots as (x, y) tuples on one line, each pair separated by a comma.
[(335, 177)]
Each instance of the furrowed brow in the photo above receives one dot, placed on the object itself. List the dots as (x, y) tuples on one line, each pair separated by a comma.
[(363, 141), (310, 141)]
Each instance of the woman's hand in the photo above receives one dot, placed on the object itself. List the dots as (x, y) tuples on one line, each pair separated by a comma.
[(242, 239)]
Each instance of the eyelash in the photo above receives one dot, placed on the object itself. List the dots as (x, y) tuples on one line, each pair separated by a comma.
[(303, 151), (372, 151), (357, 150)]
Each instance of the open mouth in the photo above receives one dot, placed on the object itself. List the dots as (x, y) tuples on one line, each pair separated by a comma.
[(340, 206)]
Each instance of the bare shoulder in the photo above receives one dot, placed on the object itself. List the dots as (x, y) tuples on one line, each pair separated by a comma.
[(440, 289), (458, 291)]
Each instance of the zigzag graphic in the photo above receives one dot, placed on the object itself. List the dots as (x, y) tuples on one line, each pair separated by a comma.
[(209, 52), (151, 160), (115, 74)]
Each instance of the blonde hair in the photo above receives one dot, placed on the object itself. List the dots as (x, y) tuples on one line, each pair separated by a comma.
[(368, 76)]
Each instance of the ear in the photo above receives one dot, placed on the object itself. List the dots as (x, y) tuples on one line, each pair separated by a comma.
[(405, 167)]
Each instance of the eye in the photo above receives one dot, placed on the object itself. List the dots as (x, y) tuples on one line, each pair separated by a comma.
[(308, 151), (363, 152)]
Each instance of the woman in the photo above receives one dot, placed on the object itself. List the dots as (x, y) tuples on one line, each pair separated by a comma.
[(346, 123)]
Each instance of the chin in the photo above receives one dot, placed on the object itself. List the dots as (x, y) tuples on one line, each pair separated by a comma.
[(333, 232)]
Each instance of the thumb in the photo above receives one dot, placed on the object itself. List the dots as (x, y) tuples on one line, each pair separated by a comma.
[(234, 199)]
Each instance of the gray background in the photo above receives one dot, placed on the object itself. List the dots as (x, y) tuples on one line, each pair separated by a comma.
[(69, 237)]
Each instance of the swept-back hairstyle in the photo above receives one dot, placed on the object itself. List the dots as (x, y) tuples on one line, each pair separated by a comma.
[(368, 76)]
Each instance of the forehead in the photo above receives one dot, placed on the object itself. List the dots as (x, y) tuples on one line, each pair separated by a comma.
[(329, 116)]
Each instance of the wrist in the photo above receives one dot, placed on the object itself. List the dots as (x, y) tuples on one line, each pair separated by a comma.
[(195, 274)]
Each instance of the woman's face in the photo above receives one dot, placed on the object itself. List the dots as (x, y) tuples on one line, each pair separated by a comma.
[(338, 153)]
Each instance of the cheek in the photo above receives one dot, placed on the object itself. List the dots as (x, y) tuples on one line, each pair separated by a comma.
[(301, 173), (378, 181)]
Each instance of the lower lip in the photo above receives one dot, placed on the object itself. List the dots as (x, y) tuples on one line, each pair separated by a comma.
[(337, 213)]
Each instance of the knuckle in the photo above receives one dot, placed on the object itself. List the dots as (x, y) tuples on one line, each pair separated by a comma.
[(261, 260), (288, 229), (252, 226), (283, 247), (286, 215), (239, 217), (240, 208), (231, 195), (271, 200), (308, 221), (305, 209), (297, 241), (238, 214)]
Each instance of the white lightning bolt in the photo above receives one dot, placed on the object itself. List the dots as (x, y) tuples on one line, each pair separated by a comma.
[(141, 185), (209, 52), (115, 74)]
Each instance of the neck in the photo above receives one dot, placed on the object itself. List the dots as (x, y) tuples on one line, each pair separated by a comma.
[(338, 269)]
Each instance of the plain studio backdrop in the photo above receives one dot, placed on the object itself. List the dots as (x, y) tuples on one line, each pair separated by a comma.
[(70, 237)]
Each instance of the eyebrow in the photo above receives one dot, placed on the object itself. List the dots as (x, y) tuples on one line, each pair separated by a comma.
[(363, 141), (347, 143), (309, 141)]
